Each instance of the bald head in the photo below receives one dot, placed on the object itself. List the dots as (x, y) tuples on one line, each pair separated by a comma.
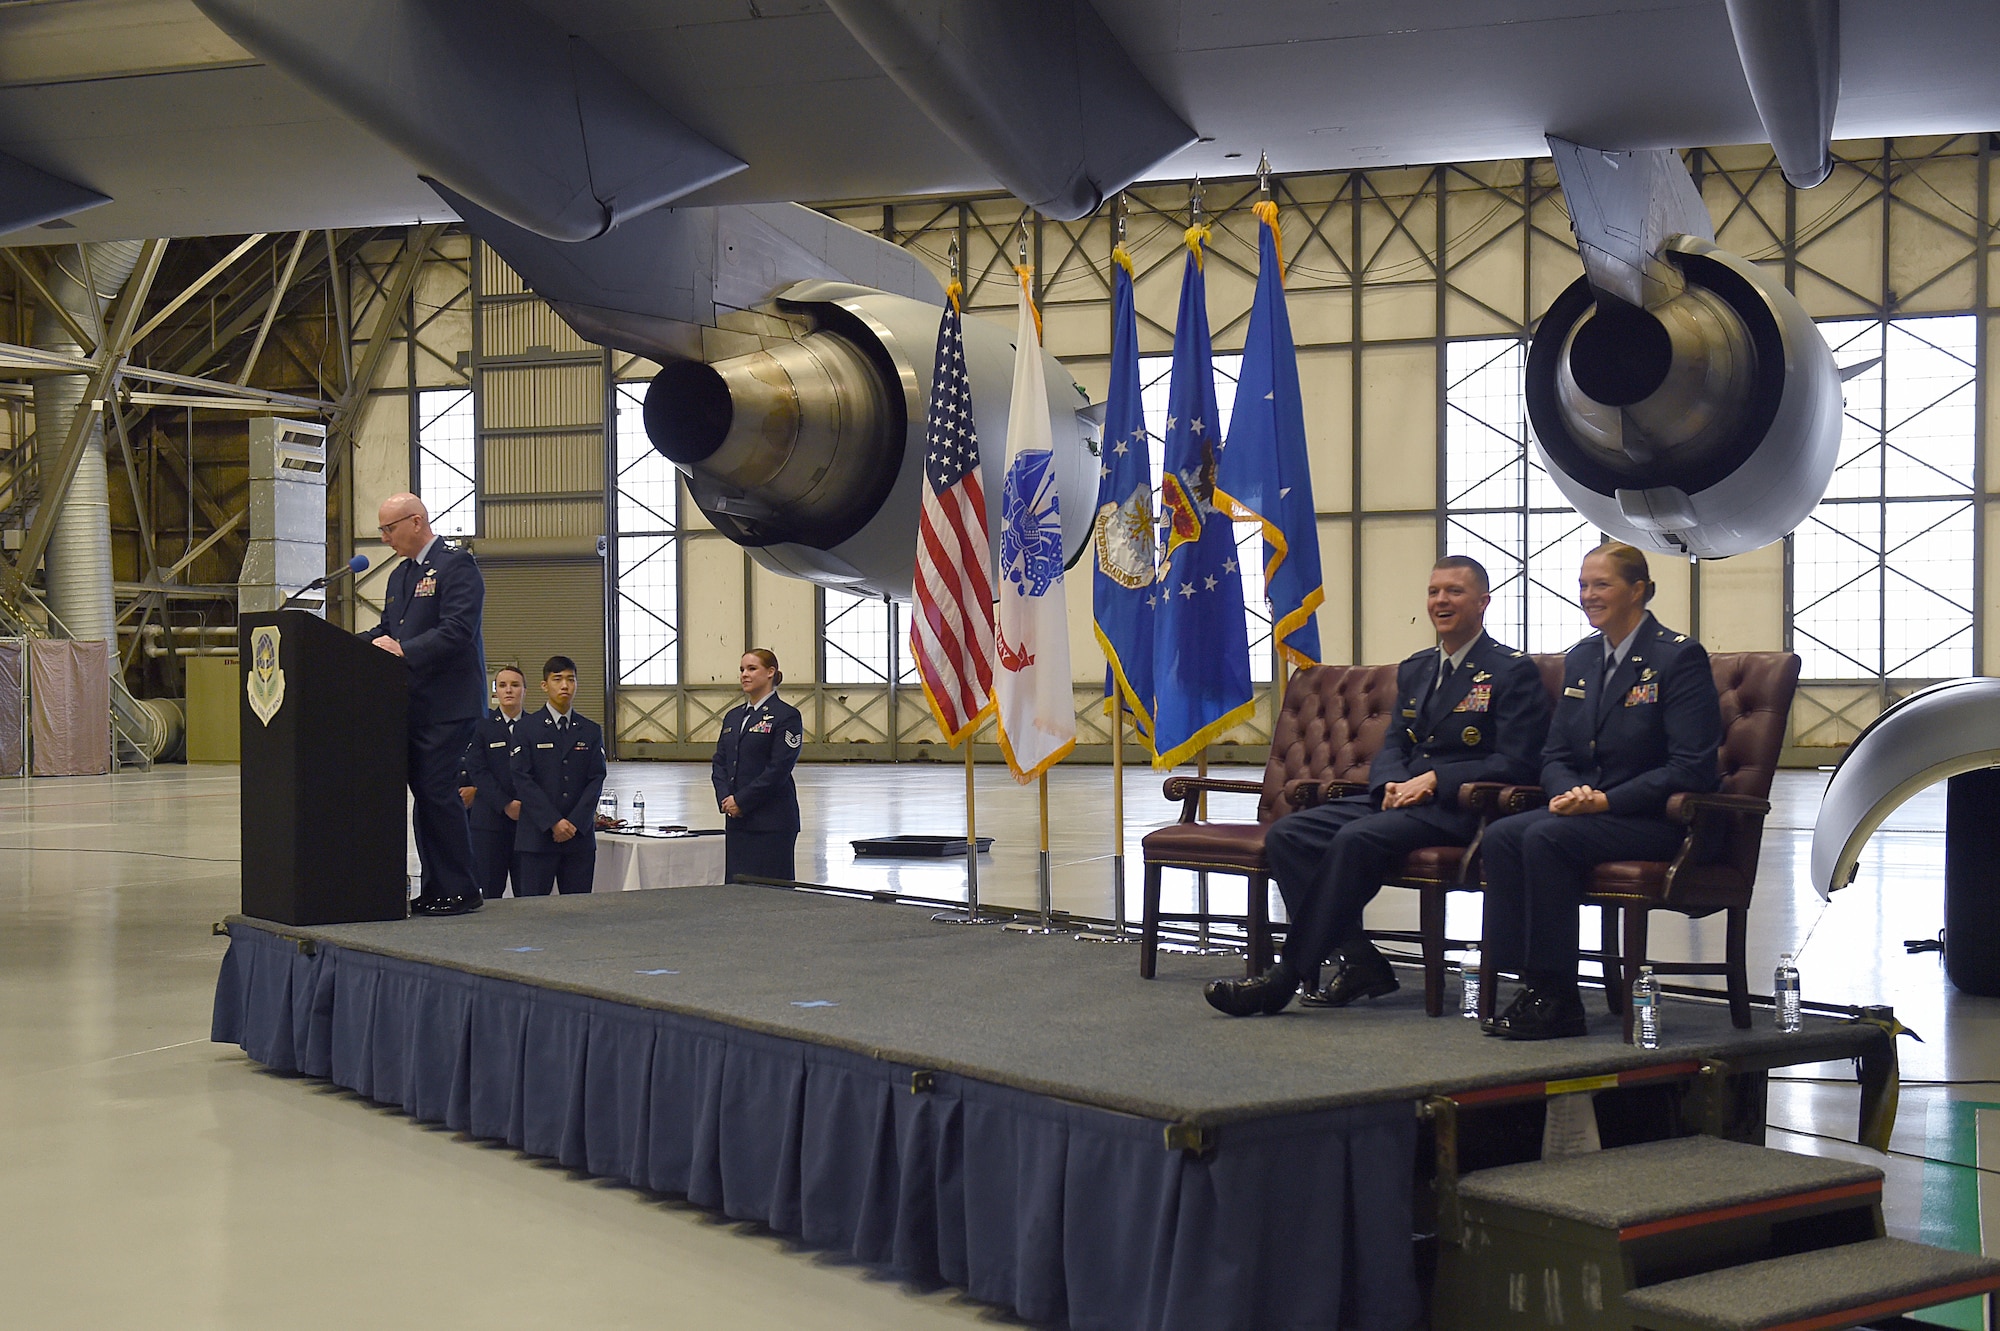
[(405, 524)]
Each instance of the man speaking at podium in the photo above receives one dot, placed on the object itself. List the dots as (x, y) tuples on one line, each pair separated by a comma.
[(431, 620)]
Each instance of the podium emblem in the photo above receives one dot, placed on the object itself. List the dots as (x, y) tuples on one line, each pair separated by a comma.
[(266, 684)]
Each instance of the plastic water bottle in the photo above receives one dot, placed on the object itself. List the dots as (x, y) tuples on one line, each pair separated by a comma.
[(639, 809), (1646, 1009), (1469, 973), (1785, 994), (607, 806)]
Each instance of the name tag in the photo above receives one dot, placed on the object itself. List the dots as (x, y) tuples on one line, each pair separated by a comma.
[(545, 746), (1643, 693), (1480, 699), (1572, 692), (1410, 712), (497, 744)]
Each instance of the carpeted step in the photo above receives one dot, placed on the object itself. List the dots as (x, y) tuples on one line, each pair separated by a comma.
[(1815, 1291), (1681, 1183)]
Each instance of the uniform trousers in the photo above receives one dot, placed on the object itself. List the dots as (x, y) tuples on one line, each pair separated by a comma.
[(492, 859), (568, 871), (1538, 867), (759, 854), (1330, 861), (443, 831)]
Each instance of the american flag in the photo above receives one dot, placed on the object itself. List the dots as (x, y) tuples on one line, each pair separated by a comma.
[(951, 636)]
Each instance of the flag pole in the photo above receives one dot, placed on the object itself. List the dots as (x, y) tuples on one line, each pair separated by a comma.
[(1118, 933), (1044, 887)]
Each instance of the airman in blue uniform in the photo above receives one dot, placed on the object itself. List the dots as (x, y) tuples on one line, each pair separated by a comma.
[(1638, 721), (752, 774), (431, 619), (486, 784), (558, 765), (1468, 709)]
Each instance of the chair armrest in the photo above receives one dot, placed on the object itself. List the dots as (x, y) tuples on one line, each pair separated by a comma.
[(1481, 797), (1686, 806), (1307, 792), (1520, 799), (1189, 790)]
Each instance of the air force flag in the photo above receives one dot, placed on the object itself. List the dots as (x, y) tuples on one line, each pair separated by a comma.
[(1031, 677), (1124, 583)]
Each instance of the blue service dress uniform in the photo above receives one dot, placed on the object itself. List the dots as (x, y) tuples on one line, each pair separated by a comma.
[(488, 769), (1486, 722), (754, 759), (1648, 731), (558, 773), (434, 606)]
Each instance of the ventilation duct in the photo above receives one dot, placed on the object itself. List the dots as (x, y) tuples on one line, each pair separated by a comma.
[(78, 560)]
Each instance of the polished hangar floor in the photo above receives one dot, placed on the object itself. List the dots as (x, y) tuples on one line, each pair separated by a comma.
[(153, 1179)]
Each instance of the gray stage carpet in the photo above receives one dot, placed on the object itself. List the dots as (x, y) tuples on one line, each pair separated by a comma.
[(1045, 1014)]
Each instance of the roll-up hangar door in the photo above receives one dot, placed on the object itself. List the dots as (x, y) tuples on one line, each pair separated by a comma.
[(546, 598)]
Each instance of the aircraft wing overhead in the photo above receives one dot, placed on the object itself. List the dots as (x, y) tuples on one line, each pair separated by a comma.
[(148, 102)]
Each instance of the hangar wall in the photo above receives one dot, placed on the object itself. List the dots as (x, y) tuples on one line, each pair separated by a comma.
[(1388, 271)]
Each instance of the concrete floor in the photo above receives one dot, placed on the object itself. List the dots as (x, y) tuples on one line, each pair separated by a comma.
[(155, 1180)]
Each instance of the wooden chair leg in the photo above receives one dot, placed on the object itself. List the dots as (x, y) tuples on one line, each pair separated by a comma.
[(1149, 923), (1615, 993), (1259, 912), (1430, 924), (1739, 971), (1635, 956)]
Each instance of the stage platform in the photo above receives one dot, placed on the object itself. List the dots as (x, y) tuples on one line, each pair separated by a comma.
[(1021, 1116)]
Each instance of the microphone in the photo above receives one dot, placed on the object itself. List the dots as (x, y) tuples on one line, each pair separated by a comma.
[(358, 564)]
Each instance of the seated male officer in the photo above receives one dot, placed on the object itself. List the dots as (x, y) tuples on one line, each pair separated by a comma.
[(558, 764), (486, 784), (1467, 710)]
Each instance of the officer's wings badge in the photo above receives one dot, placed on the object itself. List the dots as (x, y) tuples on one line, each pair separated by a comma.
[(265, 683)]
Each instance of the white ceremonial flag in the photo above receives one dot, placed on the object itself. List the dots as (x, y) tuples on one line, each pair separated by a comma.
[(1031, 680)]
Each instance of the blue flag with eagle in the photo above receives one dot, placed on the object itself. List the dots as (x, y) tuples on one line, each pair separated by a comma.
[(1263, 475), (1125, 587), (1201, 646)]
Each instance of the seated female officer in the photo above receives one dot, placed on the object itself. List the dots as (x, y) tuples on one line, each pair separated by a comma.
[(752, 773), (1638, 721)]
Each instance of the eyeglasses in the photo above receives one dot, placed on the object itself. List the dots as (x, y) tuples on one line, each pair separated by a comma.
[(388, 527)]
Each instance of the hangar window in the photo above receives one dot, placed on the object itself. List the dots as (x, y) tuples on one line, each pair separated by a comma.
[(860, 635), (1500, 505), (646, 544), (446, 450), (1155, 375), (1882, 572)]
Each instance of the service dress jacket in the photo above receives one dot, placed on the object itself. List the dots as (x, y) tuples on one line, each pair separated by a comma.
[(1487, 723), (1652, 730), (753, 761), (433, 609), (558, 774), (489, 769)]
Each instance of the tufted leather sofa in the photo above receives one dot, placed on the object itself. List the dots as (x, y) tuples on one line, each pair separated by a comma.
[(1330, 726), (1717, 864)]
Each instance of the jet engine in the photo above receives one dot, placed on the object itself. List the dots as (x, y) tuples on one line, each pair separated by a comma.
[(809, 453), (1682, 400)]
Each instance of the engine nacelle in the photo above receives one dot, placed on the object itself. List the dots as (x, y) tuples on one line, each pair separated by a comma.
[(1707, 424), (809, 454)]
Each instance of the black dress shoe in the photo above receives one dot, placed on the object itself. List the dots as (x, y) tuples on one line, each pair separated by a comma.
[(1551, 1014), (1498, 1025), (1353, 980), (464, 905), (1263, 996)]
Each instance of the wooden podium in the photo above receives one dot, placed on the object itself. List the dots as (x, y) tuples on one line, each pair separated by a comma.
[(324, 767)]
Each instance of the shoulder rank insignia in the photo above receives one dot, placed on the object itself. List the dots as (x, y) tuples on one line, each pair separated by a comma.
[(1680, 637)]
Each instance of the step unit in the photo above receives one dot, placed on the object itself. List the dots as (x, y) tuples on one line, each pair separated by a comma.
[(1562, 1243), (1859, 1284)]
